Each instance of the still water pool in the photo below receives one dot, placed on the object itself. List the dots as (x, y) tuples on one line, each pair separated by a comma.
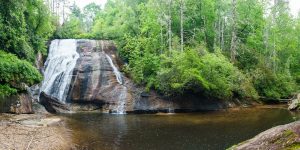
[(184, 131)]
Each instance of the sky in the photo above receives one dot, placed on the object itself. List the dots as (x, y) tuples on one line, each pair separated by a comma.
[(82, 3), (294, 4)]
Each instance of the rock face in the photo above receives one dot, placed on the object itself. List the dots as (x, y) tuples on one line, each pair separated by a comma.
[(85, 72), (277, 138), (23, 105), (152, 103), (18, 104), (83, 75), (96, 77)]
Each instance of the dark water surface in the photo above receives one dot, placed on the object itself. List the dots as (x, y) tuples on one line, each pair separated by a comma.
[(186, 131)]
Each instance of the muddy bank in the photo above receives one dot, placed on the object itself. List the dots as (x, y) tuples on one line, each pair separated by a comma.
[(34, 131)]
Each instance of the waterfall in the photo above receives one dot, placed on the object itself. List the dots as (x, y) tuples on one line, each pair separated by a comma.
[(122, 97), (82, 71), (115, 69), (60, 63), (121, 109)]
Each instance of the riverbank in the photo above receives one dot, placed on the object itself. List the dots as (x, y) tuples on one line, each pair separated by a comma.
[(33, 131)]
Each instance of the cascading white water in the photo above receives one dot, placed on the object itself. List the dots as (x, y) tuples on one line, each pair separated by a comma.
[(88, 79), (122, 98), (60, 63), (115, 69), (121, 109)]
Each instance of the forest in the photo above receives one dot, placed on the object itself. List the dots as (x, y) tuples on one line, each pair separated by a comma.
[(223, 49)]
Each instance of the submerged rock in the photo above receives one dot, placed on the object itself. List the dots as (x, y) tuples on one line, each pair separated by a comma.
[(277, 138)]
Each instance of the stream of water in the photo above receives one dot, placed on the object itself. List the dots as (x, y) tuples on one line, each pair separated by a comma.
[(59, 66), (186, 131)]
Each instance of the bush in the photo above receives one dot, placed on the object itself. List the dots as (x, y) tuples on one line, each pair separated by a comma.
[(210, 74), (15, 72), (6, 90), (143, 63), (271, 85)]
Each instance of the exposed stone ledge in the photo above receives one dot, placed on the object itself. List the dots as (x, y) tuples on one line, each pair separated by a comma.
[(277, 138)]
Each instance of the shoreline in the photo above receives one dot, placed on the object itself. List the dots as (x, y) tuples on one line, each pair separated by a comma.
[(48, 131), (33, 131)]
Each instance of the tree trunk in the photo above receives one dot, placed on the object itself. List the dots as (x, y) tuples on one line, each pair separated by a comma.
[(222, 34), (170, 25), (233, 37), (181, 24), (63, 13)]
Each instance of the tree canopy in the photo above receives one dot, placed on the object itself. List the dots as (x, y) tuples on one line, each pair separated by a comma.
[(220, 48), (217, 48)]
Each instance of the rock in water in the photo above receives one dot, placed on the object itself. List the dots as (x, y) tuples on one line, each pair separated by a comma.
[(295, 103), (277, 138)]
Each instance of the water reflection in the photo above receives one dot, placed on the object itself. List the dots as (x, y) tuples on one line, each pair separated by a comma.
[(210, 130)]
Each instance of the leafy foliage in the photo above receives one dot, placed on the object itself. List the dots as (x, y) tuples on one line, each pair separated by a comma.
[(25, 28), (14, 73), (273, 86), (208, 73), (184, 46)]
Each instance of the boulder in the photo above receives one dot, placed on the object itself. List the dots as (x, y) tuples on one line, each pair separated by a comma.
[(295, 103), (22, 104), (52, 104), (34, 91), (277, 138)]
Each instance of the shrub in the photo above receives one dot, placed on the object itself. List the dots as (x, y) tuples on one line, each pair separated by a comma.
[(271, 85), (211, 74), (15, 72)]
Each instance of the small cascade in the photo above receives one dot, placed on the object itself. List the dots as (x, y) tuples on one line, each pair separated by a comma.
[(59, 66), (115, 69), (171, 111), (121, 108)]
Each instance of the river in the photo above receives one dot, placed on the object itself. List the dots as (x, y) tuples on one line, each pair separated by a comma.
[(183, 131)]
